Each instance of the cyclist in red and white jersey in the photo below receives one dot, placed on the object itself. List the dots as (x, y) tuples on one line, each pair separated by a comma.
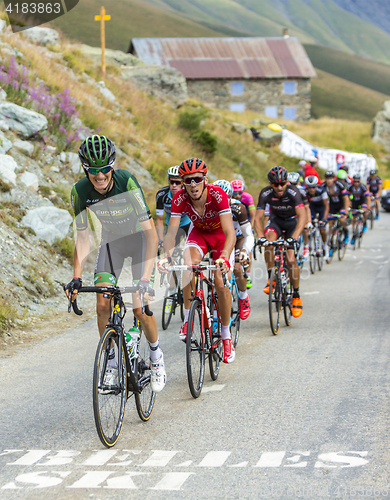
[(212, 231)]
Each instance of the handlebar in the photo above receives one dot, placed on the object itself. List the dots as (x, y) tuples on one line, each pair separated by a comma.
[(197, 269)]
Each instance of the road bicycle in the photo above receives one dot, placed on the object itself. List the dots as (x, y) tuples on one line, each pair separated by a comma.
[(132, 376), (358, 228), (203, 341), (300, 259), (373, 212), (280, 289), (173, 294), (235, 320), (316, 252), (336, 238)]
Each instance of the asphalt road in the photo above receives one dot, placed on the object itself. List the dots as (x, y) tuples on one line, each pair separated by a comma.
[(304, 414)]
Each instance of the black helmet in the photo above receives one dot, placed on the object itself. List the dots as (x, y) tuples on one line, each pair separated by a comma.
[(373, 172), (97, 151), (329, 173), (277, 174), (356, 177)]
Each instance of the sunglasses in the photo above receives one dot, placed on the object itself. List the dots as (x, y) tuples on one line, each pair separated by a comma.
[(95, 171), (276, 184), (237, 193), (175, 183), (195, 180), (356, 180)]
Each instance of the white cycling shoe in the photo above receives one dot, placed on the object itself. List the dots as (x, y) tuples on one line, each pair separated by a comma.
[(158, 376)]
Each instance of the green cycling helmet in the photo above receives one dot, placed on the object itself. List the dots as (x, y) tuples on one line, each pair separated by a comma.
[(97, 151), (342, 175)]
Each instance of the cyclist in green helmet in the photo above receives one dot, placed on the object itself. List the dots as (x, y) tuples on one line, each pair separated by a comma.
[(118, 202)]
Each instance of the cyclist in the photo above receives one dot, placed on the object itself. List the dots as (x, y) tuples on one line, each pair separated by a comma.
[(338, 203), (163, 205), (117, 200), (246, 199), (342, 176), (293, 178), (311, 168), (208, 207), (374, 185), (287, 218), (360, 200), (319, 207), (243, 247)]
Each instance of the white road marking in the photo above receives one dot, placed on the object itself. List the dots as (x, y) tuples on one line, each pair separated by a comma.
[(215, 459), (92, 479), (123, 482), (172, 481), (185, 464), (311, 293), (335, 458), (31, 457), (271, 459), (159, 458), (213, 388), (100, 457), (241, 464), (62, 457), (295, 459), (38, 479)]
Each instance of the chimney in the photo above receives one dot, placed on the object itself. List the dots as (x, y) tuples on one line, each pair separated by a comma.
[(285, 33)]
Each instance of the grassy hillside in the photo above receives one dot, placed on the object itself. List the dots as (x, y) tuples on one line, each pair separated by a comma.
[(338, 98), (356, 69)]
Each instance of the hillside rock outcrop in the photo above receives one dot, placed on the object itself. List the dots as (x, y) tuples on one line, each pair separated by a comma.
[(381, 126), (41, 36), (48, 223), (25, 122)]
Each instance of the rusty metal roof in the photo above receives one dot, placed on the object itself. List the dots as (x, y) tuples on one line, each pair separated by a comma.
[(252, 57)]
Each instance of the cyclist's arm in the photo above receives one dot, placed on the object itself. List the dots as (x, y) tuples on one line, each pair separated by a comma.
[(252, 215), (347, 202), (326, 205), (308, 213), (259, 222), (81, 251), (230, 234), (301, 213), (248, 237), (170, 237), (149, 230), (380, 187), (160, 226)]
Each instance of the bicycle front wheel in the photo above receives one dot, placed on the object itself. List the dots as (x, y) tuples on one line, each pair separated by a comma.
[(320, 251), (332, 246), (341, 246), (144, 400), (109, 389), (235, 316), (195, 349), (169, 305), (274, 300), (287, 302), (216, 351), (312, 253)]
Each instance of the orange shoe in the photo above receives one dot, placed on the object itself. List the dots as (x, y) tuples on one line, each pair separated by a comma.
[(297, 307), (266, 288)]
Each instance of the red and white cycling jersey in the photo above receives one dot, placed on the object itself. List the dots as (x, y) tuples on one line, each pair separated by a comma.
[(217, 204)]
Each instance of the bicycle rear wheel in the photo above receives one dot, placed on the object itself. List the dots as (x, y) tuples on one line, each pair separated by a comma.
[(360, 233), (320, 251), (109, 401), (312, 253), (235, 315), (216, 352), (287, 302), (372, 216), (195, 349), (144, 400), (332, 246), (275, 300), (341, 246)]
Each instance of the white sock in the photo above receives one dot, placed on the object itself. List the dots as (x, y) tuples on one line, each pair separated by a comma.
[(155, 351), (325, 246), (111, 359), (186, 313), (242, 295), (225, 333)]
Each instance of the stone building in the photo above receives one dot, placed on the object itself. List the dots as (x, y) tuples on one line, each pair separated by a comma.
[(270, 76)]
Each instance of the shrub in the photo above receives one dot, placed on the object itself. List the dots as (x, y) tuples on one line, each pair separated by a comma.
[(4, 186), (7, 316), (64, 247), (208, 142), (190, 120)]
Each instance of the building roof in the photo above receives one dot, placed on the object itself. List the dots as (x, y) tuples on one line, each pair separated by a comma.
[(252, 57)]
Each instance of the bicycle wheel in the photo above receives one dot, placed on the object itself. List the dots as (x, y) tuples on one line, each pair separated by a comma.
[(355, 236), (300, 259), (181, 302), (312, 253), (360, 233), (274, 300), (109, 401), (216, 353), (195, 349), (287, 302), (332, 246), (169, 306), (235, 315), (341, 246), (144, 400), (372, 216)]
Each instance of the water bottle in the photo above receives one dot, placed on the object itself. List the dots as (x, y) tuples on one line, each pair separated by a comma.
[(132, 336)]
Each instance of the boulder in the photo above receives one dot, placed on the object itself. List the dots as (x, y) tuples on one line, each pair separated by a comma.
[(48, 223), (381, 126), (262, 156), (162, 82), (3, 25), (24, 146), (41, 36), (239, 127), (106, 92), (24, 121), (7, 169), (5, 144), (30, 180), (116, 57), (270, 137), (3, 94)]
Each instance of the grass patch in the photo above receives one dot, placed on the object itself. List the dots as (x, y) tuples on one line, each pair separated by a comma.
[(5, 187), (64, 247), (7, 316)]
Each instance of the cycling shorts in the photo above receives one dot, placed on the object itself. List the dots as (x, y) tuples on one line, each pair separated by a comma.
[(334, 208), (206, 241), (357, 205), (317, 213), (282, 227), (133, 245)]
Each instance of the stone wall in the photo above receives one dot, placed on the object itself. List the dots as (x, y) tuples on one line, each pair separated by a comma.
[(258, 93)]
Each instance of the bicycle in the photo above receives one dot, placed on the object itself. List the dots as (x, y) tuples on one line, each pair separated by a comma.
[(300, 259), (281, 291), (201, 340), (373, 212), (316, 253), (235, 319), (358, 228), (133, 370), (173, 295), (336, 238)]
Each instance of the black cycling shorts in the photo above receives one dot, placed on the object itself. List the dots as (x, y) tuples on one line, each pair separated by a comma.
[(334, 208), (317, 211), (282, 227)]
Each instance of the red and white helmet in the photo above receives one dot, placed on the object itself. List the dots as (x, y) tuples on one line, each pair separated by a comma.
[(192, 166)]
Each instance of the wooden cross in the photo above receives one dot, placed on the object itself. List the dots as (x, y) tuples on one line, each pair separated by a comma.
[(103, 18)]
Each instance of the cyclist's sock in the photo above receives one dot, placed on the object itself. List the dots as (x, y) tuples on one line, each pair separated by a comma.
[(269, 273), (225, 333), (242, 295), (296, 293), (155, 351), (111, 359), (186, 314)]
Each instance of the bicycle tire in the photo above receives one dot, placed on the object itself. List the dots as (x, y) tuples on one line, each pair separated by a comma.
[(372, 216), (195, 349), (312, 253), (287, 302), (109, 405), (274, 300), (332, 246), (169, 306), (181, 302), (360, 231), (216, 352), (235, 315), (320, 251), (144, 400), (355, 236), (341, 247)]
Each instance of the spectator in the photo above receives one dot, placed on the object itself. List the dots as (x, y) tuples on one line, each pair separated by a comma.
[(311, 168)]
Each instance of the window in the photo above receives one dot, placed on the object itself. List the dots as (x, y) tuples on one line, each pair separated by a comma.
[(290, 113), (237, 88), (290, 87), (237, 107), (271, 111)]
